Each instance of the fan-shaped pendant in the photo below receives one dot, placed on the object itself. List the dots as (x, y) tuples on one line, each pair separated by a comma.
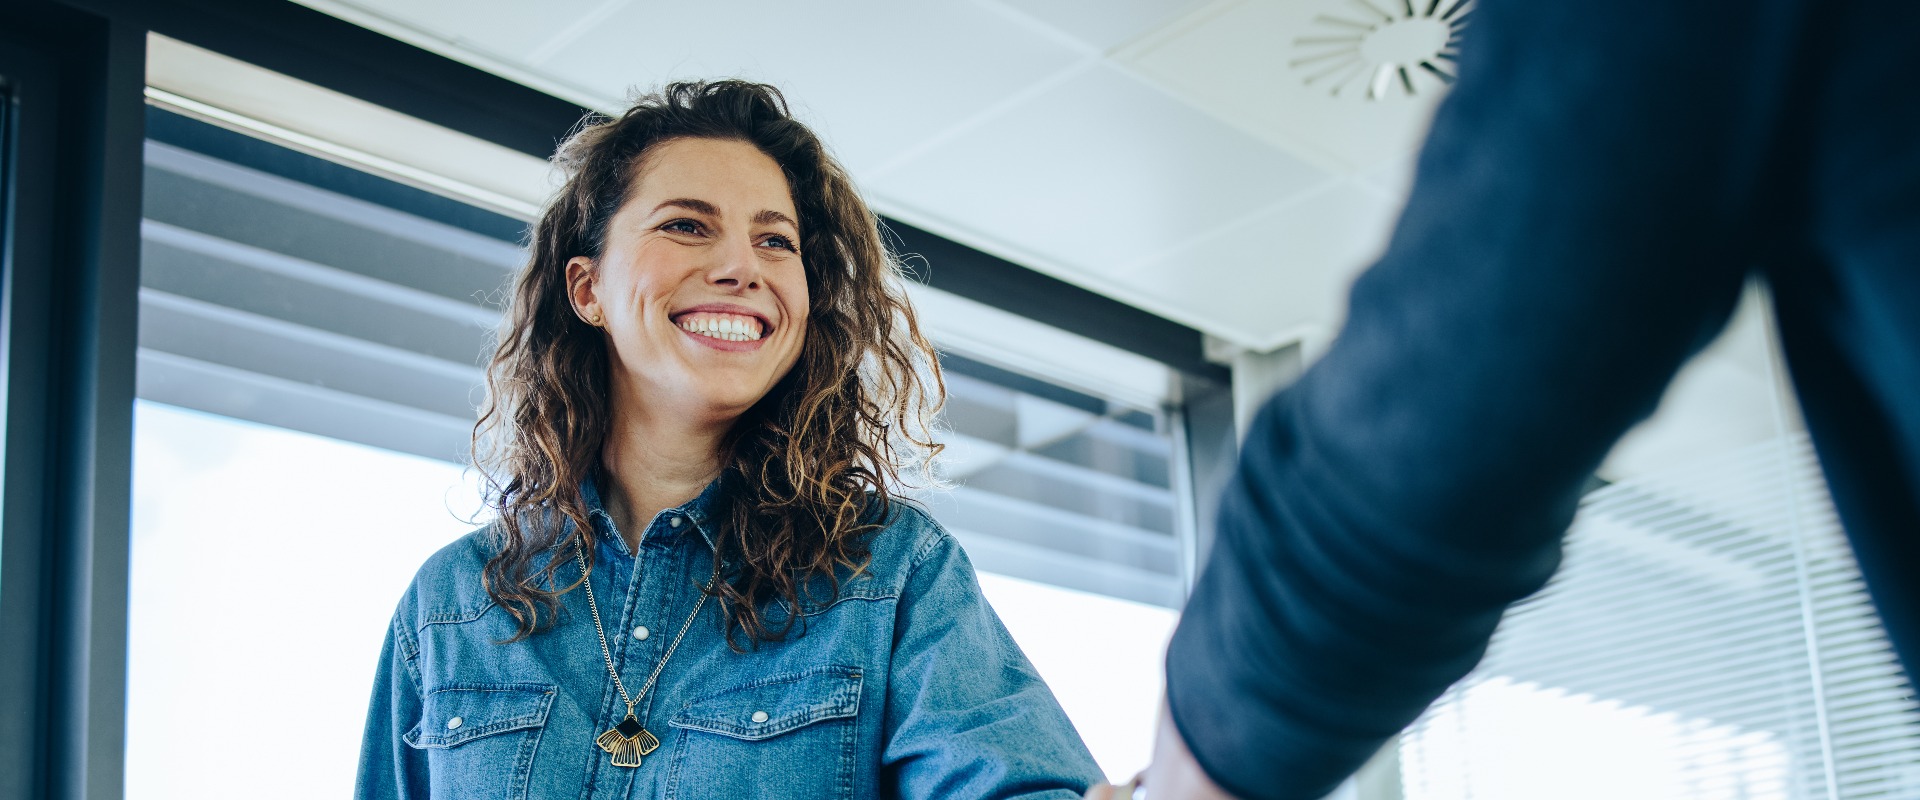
[(627, 742)]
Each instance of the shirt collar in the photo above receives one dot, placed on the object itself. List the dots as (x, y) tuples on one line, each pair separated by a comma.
[(697, 511)]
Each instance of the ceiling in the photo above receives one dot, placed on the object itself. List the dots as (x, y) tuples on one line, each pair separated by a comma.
[(1229, 165)]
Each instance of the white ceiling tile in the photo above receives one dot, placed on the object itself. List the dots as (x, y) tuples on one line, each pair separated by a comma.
[(1277, 276), (1104, 24), (1393, 177), (1093, 175), (874, 77), (1250, 64), (508, 29)]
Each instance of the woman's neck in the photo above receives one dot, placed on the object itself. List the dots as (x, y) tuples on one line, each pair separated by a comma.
[(651, 464)]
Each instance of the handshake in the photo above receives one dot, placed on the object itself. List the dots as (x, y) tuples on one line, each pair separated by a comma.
[(1173, 775)]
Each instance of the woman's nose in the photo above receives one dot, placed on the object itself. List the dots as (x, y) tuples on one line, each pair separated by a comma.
[(739, 267)]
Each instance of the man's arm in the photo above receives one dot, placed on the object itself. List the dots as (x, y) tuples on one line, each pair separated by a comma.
[(1587, 205)]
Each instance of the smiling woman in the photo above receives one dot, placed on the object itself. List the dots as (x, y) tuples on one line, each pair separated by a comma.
[(706, 388), (684, 280)]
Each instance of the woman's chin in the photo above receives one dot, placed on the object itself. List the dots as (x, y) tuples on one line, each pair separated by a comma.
[(725, 405)]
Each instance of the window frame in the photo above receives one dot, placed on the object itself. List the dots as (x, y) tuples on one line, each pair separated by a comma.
[(70, 277)]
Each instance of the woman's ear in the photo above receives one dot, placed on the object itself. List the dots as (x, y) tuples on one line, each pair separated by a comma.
[(580, 290)]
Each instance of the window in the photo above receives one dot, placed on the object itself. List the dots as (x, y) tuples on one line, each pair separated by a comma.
[(266, 564), (1065, 502), (1058, 486), (307, 366), (1708, 636), (311, 346)]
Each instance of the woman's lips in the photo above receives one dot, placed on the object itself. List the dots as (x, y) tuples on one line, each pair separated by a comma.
[(729, 345), (728, 325), (724, 326)]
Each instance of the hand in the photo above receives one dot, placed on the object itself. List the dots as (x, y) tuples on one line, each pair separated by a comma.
[(1107, 791), (1174, 774)]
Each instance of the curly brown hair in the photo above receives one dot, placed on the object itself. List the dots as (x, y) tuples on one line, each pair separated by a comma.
[(810, 470)]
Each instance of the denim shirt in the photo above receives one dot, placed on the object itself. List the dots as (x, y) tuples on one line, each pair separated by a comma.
[(906, 685)]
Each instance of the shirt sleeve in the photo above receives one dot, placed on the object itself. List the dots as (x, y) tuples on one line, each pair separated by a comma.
[(1583, 217), (390, 769), (967, 716)]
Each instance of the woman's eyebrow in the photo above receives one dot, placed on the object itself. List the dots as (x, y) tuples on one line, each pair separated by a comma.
[(770, 216), (691, 204), (698, 206)]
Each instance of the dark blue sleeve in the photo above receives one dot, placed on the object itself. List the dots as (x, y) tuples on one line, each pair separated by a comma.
[(1585, 212)]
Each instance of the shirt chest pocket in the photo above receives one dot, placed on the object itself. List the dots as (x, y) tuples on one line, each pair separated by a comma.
[(480, 740), (788, 735)]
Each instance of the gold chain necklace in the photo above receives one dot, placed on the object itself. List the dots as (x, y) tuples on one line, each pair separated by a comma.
[(628, 741)]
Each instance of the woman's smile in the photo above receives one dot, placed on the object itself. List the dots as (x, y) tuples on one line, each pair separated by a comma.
[(724, 326)]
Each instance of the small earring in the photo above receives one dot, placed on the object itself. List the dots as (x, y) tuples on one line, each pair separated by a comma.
[(595, 320)]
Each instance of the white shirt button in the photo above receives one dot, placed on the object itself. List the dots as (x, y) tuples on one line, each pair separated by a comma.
[(453, 723), (641, 633), (673, 522), (759, 716)]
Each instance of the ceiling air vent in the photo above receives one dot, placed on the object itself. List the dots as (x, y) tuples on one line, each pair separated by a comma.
[(1367, 45)]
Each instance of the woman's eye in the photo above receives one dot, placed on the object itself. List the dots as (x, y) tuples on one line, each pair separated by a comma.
[(682, 226), (780, 242)]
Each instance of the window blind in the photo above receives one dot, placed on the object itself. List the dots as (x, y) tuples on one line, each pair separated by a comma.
[(1708, 636), (274, 300)]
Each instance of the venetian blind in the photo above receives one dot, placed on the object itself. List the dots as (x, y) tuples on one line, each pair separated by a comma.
[(268, 297), (1709, 636)]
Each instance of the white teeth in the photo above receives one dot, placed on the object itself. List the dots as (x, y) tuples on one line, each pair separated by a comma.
[(730, 328)]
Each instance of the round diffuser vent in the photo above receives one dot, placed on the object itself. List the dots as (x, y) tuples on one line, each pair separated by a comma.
[(1375, 46)]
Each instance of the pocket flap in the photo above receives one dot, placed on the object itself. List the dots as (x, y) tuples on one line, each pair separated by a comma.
[(459, 714), (771, 706)]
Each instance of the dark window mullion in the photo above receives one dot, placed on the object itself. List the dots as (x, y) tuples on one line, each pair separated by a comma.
[(71, 255)]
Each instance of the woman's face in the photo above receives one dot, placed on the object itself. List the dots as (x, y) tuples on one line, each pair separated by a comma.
[(700, 287)]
